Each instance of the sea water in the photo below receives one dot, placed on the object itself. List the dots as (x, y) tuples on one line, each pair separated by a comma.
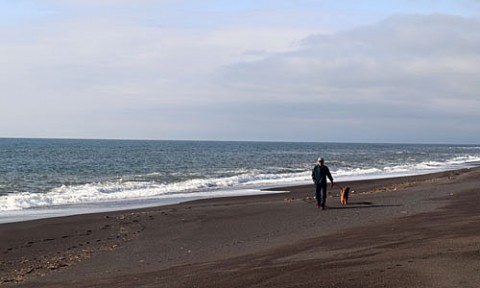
[(56, 177)]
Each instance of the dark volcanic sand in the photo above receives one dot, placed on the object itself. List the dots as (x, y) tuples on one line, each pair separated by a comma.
[(420, 231)]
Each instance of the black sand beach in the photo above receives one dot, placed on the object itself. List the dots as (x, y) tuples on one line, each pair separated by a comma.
[(420, 231)]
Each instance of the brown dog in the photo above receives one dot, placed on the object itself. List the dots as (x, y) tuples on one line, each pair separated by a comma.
[(344, 195)]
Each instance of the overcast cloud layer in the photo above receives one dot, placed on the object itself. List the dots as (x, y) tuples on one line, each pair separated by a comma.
[(257, 71)]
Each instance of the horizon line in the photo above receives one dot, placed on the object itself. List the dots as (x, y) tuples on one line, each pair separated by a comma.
[(219, 140)]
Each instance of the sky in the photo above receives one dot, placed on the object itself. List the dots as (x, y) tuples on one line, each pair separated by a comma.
[(398, 71)]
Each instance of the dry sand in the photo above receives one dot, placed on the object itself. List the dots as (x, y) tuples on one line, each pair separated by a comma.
[(420, 231)]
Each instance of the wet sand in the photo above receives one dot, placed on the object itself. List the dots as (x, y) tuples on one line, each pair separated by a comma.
[(420, 231)]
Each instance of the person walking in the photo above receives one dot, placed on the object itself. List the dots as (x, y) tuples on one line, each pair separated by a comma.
[(319, 175)]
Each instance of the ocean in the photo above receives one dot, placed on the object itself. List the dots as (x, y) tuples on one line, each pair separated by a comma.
[(55, 177)]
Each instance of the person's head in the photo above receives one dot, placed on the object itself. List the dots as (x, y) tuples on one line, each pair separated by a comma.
[(320, 161)]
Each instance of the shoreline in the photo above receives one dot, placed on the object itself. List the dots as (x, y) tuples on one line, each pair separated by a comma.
[(33, 214), (277, 240)]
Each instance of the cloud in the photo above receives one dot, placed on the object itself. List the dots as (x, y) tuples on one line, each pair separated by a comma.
[(136, 74), (95, 78), (408, 65)]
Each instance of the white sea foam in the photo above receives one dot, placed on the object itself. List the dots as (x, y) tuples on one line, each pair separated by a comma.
[(125, 191)]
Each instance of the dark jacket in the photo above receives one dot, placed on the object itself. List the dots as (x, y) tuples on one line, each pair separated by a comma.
[(320, 174)]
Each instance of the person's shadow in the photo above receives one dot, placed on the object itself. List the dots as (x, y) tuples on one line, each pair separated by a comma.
[(362, 205)]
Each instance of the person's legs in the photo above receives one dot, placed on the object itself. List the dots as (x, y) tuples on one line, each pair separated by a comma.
[(323, 196), (318, 195)]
